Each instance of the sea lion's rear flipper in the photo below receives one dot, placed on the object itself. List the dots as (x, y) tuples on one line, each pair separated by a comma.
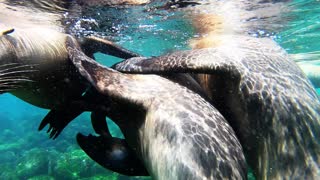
[(200, 61), (87, 67), (99, 124), (112, 153), (92, 44)]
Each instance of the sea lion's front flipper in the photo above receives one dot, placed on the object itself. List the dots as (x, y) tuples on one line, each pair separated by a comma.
[(59, 118), (112, 153), (196, 61), (92, 44)]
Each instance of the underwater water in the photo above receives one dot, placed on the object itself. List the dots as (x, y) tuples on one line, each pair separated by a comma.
[(26, 153)]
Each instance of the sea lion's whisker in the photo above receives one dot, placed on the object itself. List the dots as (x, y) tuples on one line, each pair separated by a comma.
[(9, 85), (7, 89), (16, 67), (3, 81), (9, 64), (16, 72)]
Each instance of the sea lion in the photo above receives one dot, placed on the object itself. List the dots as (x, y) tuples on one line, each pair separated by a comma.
[(263, 94), (120, 157), (34, 64), (174, 131), (253, 82), (35, 67)]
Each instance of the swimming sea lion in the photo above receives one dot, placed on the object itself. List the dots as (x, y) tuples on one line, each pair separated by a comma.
[(34, 64), (120, 157), (263, 94), (175, 132)]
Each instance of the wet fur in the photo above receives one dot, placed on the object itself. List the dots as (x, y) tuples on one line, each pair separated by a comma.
[(176, 133), (253, 82), (33, 42), (263, 94)]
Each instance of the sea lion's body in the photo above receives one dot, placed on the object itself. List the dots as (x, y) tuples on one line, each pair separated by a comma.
[(175, 132), (253, 82), (34, 63), (263, 94)]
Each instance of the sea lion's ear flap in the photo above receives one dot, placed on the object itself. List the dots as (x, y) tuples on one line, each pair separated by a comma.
[(93, 44), (6, 31)]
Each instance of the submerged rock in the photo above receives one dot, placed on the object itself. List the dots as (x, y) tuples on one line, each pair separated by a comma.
[(35, 162), (75, 165)]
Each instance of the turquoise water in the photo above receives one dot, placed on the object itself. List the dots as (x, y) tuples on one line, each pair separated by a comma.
[(29, 154)]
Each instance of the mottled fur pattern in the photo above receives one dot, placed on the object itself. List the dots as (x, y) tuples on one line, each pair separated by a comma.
[(178, 135), (264, 95)]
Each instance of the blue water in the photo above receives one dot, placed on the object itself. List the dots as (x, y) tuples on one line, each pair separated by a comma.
[(29, 154)]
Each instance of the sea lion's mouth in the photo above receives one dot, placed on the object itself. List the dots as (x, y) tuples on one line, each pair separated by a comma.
[(13, 75)]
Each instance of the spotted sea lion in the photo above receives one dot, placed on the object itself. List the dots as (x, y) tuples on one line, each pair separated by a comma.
[(253, 82), (111, 153), (175, 132), (263, 94)]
